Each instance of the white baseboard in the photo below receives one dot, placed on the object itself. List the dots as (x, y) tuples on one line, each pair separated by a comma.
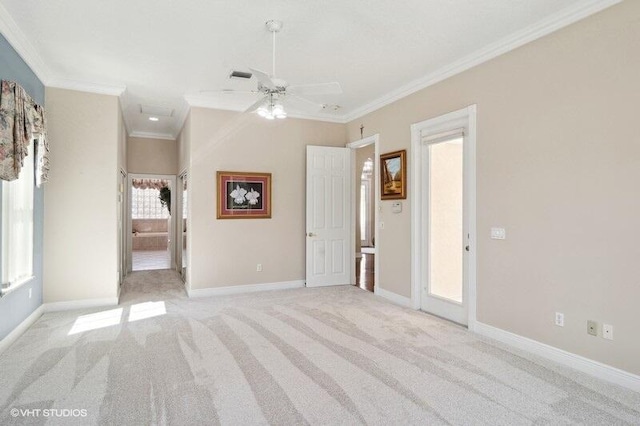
[(80, 304), (250, 288), (577, 362), (21, 328), (393, 297)]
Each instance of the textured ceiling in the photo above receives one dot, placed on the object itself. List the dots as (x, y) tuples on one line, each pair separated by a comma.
[(166, 51)]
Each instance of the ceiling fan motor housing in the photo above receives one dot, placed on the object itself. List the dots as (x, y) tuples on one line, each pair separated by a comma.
[(273, 25)]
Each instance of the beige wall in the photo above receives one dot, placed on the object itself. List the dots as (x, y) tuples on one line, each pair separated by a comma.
[(80, 226), (558, 165), (225, 252), (152, 156)]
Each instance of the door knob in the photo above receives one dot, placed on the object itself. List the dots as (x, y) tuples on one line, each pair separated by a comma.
[(467, 248), (311, 234)]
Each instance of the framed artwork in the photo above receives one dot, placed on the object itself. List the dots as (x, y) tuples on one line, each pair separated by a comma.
[(244, 195), (393, 175)]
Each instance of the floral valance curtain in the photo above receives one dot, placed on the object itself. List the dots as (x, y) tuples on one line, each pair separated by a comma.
[(22, 120), (149, 183)]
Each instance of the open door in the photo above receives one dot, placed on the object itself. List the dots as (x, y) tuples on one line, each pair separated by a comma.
[(328, 216)]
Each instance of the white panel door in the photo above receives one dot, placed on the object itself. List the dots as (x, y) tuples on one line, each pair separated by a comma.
[(328, 216)]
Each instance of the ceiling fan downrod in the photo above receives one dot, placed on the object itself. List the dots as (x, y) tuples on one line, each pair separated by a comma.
[(273, 26)]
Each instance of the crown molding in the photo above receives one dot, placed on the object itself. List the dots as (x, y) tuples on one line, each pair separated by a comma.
[(80, 86), (151, 135), (533, 32), (318, 117), (200, 102), (22, 46)]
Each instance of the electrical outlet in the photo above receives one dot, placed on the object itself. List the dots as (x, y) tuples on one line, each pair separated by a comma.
[(592, 328), (607, 331), (259, 267), (559, 319)]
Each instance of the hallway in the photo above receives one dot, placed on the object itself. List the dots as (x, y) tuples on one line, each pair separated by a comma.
[(149, 286), (148, 260), (365, 277)]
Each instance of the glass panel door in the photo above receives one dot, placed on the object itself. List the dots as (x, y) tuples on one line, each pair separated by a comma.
[(445, 220)]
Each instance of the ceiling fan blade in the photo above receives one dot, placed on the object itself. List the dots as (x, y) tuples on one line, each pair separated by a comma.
[(307, 102), (255, 105), (332, 88), (229, 91), (263, 78)]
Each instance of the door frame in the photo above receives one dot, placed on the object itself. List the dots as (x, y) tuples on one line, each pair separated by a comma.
[(179, 233), (440, 124), (172, 223), (374, 139), (124, 231)]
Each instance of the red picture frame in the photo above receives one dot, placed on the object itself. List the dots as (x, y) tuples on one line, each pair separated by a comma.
[(244, 195)]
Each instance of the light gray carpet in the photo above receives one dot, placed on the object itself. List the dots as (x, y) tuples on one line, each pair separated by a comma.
[(304, 356)]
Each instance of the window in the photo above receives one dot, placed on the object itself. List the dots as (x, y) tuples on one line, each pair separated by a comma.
[(145, 204), (17, 226)]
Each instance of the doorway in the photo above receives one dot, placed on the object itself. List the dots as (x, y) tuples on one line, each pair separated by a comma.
[(365, 195), (151, 222), (443, 216)]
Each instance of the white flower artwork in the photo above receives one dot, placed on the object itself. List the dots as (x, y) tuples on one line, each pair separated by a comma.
[(252, 197), (238, 195)]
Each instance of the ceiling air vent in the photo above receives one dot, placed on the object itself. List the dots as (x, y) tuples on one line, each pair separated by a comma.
[(156, 110), (240, 74)]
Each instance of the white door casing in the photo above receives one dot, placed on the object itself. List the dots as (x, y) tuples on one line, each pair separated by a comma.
[(328, 234), (122, 228), (423, 135)]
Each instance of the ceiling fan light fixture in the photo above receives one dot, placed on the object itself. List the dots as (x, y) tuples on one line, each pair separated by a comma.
[(263, 111), (278, 110)]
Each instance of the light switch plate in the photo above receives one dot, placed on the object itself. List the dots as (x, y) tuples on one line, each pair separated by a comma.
[(498, 234), (607, 331)]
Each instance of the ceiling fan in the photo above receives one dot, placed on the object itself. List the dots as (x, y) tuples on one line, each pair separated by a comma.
[(275, 91)]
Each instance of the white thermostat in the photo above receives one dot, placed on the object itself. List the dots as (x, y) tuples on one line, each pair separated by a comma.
[(396, 207)]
